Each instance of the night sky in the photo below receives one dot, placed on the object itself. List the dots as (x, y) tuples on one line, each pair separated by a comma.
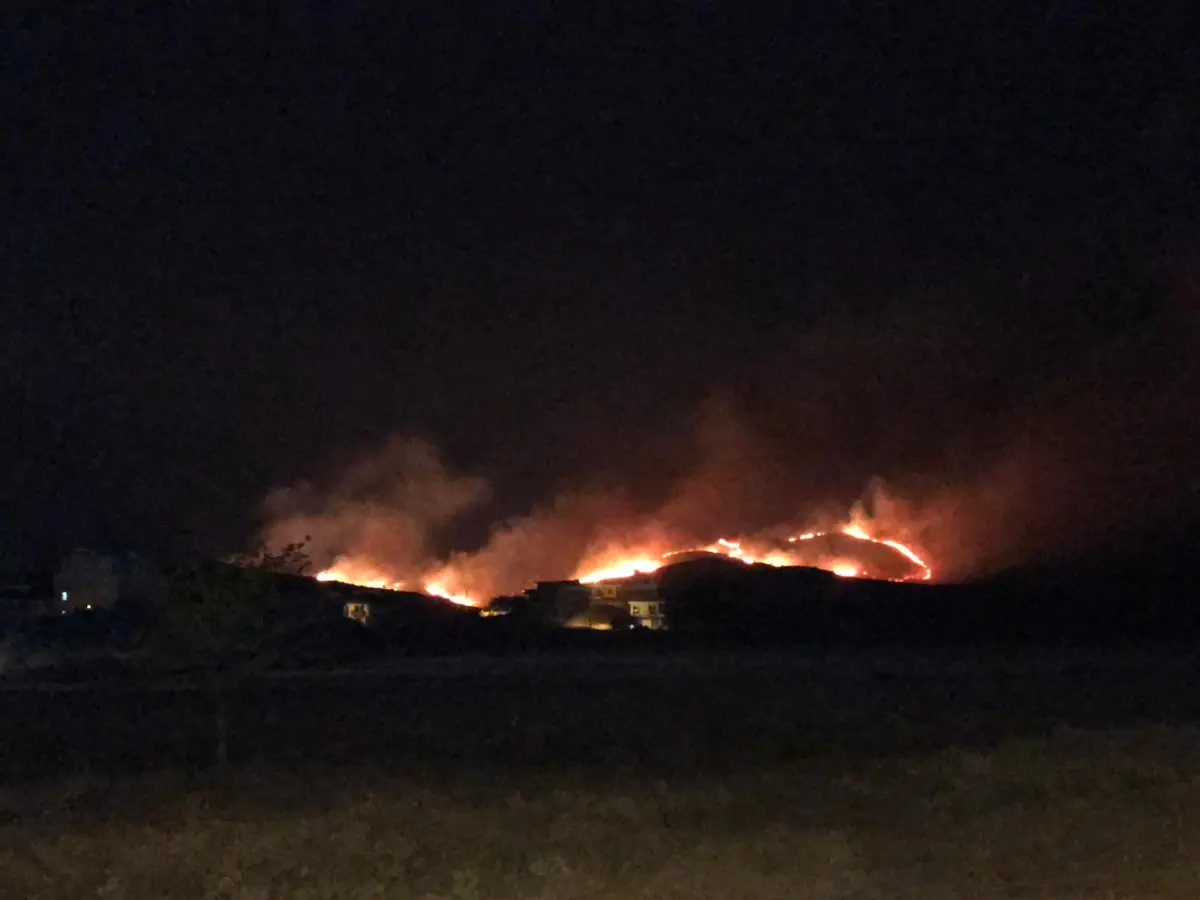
[(239, 248)]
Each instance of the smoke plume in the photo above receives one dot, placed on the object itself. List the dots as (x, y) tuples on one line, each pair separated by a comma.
[(985, 442), (1106, 451), (385, 511)]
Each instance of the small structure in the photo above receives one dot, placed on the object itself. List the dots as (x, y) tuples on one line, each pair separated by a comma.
[(602, 617), (614, 604), (650, 614), (638, 596), (357, 611), (558, 601), (89, 580)]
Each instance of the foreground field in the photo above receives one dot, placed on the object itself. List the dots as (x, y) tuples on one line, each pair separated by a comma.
[(1076, 815), (650, 714)]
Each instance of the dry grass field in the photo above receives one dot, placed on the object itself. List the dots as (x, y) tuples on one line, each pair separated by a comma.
[(897, 776), (1076, 815)]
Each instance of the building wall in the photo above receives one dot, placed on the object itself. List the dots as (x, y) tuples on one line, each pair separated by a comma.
[(650, 614), (559, 601), (593, 605), (639, 597), (624, 591)]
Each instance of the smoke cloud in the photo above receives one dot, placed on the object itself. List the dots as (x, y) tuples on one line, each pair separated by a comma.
[(1107, 451), (1002, 442), (545, 545), (983, 442), (385, 511), (379, 521)]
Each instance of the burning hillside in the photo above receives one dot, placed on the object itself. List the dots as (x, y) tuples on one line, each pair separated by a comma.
[(386, 521), (849, 551), (1075, 458)]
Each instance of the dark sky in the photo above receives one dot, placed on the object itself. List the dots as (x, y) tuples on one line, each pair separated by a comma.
[(236, 246)]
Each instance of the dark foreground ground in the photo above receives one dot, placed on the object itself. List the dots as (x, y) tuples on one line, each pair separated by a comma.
[(748, 776), (1078, 815), (646, 711)]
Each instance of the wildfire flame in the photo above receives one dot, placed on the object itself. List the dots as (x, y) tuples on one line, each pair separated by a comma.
[(438, 590), (365, 575), (642, 564), (628, 562), (625, 568), (845, 569), (352, 574), (856, 531)]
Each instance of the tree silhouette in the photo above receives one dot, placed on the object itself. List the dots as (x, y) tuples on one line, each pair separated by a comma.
[(216, 618)]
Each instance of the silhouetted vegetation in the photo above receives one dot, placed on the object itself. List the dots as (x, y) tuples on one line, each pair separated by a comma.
[(805, 607), (217, 617)]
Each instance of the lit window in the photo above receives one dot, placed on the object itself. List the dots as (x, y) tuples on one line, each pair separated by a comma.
[(64, 596)]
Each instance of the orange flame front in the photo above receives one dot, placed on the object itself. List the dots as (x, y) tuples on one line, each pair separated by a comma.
[(643, 564), (438, 590), (643, 560), (364, 574)]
